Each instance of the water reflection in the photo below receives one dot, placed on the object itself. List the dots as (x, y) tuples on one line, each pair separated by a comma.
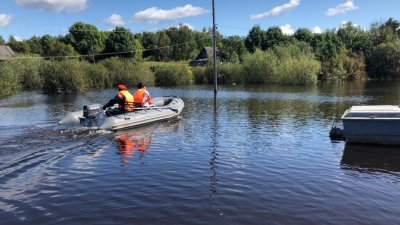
[(214, 154), (370, 158), (138, 141), (131, 141)]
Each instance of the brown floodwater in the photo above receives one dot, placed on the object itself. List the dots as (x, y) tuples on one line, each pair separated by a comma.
[(255, 155)]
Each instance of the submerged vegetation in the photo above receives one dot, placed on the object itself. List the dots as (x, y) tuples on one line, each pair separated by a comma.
[(88, 59)]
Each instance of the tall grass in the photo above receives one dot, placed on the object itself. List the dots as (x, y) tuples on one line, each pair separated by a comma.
[(127, 72), (290, 64), (63, 77), (173, 74), (9, 79)]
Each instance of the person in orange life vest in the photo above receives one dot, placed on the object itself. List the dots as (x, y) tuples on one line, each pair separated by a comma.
[(124, 99), (142, 97)]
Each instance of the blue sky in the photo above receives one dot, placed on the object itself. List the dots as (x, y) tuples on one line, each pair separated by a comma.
[(26, 18)]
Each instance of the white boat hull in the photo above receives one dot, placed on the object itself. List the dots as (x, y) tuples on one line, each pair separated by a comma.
[(372, 124), (166, 108)]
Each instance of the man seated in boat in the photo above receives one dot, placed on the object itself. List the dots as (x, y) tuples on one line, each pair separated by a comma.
[(124, 99), (142, 97)]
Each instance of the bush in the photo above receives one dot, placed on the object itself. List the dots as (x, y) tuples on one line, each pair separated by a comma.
[(28, 70), (173, 74), (200, 74), (127, 72), (96, 76), (9, 79), (343, 66), (290, 64), (227, 73), (63, 77), (384, 61)]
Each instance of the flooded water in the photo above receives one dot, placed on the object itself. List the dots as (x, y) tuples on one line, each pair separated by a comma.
[(256, 155)]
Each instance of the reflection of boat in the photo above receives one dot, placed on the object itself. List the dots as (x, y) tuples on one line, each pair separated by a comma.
[(378, 124), (371, 157), (165, 108), (139, 140)]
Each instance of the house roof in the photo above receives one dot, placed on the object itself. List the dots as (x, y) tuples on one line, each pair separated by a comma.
[(5, 52)]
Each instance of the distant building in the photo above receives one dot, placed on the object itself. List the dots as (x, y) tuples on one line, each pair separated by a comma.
[(5, 52), (202, 58)]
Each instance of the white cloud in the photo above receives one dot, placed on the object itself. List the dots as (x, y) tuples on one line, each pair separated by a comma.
[(18, 38), (188, 25), (277, 10), (5, 20), (155, 15), (316, 30), (70, 6), (115, 20), (342, 8), (345, 24), (287, 29)]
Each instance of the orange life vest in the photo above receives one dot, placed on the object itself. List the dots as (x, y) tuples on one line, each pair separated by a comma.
[(140, 95), (128, 106)]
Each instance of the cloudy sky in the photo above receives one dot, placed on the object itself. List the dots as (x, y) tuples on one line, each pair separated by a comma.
[(26, 18)]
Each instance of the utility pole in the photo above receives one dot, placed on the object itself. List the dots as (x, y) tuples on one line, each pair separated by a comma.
[(214, 49), (91, 43)]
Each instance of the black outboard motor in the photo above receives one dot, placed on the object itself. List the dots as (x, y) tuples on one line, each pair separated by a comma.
[(91, 111), (336, 133)]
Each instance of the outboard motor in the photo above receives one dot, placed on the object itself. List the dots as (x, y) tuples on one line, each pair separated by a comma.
[(336, 133), (91, 111)]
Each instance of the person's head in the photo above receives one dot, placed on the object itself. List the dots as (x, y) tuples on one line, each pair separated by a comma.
[(140, 85), (122, 87)]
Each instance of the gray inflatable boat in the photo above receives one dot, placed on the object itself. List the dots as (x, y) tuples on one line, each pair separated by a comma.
[(165, 108)]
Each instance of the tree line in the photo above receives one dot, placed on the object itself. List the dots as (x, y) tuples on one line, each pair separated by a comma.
[(349, 52)]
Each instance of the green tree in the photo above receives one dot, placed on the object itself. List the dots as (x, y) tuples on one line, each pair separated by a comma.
[(203, 39), (234, 47), (273, 36), (326, 45), (2, 42), (35, 46), (384, 32), (303, 34), (18, 46), (46, 41), (253, 39), (384, 61), (163, 44), (61, 51), (182, 43), (354, 38), (122, 43), (149, 43), (85, 38)]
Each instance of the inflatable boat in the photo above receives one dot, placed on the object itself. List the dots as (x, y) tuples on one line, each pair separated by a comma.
[(165, 108)]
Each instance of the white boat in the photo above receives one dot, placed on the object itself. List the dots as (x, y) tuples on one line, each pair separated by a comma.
[(165, 108), (376, 124)]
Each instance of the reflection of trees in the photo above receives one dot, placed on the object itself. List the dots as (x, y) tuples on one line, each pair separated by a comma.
[(273, 105), (386, 92)]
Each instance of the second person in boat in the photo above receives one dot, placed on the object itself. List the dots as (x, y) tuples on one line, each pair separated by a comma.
[(124, 99), (142, 97)]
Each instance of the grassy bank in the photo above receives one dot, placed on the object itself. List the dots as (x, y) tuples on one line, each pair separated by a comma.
[(280, 65)]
